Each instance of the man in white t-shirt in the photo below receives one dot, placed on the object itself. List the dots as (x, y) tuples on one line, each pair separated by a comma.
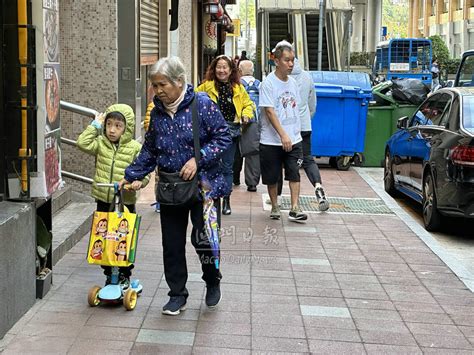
[(280, 139)]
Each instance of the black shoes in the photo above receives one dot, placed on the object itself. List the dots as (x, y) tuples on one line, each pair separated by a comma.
[(226, 210), (175, 305), (213, 295), (251, 188)]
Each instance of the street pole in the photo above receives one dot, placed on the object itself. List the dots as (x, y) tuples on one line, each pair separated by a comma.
[(322, 4), (247, 25)]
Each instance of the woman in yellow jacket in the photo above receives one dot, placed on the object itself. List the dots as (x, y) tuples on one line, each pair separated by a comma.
[(222, 84)]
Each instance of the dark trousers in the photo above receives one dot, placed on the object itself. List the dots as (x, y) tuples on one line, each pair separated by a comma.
[(174, 222), (107, 207), (251, 170), (309, 165)]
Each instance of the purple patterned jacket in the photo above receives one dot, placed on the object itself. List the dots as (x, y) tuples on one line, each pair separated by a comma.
[(169, 142)]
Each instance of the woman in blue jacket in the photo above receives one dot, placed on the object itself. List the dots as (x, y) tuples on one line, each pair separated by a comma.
[(169, 146)]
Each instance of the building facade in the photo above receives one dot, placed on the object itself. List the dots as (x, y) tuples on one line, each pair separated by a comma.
[(453, 20)]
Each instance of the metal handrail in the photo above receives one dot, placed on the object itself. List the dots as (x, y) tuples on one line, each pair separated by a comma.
[(77, 177), (82, 110)]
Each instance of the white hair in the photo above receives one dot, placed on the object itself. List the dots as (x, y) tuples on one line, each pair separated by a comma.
[(171, 67), (246, 67)]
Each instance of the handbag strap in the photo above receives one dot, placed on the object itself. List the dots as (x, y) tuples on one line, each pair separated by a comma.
[(197, 145)]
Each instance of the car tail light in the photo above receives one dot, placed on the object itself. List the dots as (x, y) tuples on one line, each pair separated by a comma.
[(462, 155)]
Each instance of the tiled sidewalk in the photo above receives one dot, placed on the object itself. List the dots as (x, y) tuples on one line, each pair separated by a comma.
[(339, 283)]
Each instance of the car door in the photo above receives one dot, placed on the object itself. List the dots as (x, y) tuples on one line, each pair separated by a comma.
[(426, 134)]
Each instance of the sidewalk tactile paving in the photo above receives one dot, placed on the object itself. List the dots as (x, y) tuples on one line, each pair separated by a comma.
[(339, 205)]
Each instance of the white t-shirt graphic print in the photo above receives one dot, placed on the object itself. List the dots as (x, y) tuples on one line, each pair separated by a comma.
[(283, 96)]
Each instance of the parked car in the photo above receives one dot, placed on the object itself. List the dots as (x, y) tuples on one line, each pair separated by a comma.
[(431, 157)]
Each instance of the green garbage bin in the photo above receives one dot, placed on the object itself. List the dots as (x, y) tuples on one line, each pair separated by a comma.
[(381, 124)]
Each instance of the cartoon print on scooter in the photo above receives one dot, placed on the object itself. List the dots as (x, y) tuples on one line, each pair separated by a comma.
[(101, 228), (97, 250), (121, 252), (122, 229)]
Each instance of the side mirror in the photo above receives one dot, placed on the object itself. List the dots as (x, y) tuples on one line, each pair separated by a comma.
[(402, 122)]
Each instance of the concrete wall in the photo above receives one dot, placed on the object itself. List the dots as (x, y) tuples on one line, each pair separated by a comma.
[(17, 253), (88, 42)]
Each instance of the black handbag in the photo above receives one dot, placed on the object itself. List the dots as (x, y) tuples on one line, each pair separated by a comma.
[(172, 189)]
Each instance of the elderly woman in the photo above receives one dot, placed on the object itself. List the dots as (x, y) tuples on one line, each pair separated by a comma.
[(169, 145), (222, 84)]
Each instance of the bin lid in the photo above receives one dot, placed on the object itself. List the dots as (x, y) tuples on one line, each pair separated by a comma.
[(361, 80), (341, 91), (380, 90)]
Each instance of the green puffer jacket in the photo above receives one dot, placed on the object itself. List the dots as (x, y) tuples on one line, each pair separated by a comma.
[(111, 159)]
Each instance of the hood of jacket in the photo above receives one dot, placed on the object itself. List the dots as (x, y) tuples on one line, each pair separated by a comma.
[(296, 68), (129, 115)]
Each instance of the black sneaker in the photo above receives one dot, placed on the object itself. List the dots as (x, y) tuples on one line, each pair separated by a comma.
[(175, 305), (213, 295), (252, 188), (296, 214), (323, 203)]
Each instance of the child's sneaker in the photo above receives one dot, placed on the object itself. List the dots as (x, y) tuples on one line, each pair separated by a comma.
[(296, 214), (157, 207), (275, 213), (124, 281), (323, 203)]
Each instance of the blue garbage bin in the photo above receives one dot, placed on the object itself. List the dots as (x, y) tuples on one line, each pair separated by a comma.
[(341, 114)]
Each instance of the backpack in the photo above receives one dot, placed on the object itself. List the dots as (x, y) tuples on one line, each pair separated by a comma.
[(253, 92)]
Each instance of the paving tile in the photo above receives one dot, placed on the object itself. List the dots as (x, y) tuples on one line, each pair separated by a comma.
[(163, 322), (279, 344), (370, 295), (425, 317), (126, 320), (335, 347), (218, 316), (443, 351), (274, 289), (224, 328), (418, 307), (302, 261), (377, 349), (223, 341), (202, 350), (333, 334), (108, 333), (274, 299), (165, 337), (323, 301), (277, 319), (328, 322), (52, 330), (381, 325), (38, 345), (150, 348), (369, 304), (463, 319), (322, 311), (101, 346), (278, 331), (276, 308), (387, 337), (59, 318), (433, 329), (442, 341), (358, 313)]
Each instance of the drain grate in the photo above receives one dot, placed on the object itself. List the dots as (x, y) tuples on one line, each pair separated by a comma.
[(341, 205)]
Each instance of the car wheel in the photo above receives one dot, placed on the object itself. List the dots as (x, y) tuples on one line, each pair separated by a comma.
[(343, 163), (388, 181), (431, 216)]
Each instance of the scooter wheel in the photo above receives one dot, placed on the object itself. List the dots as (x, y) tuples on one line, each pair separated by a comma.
[(93, 296), (130, 299)]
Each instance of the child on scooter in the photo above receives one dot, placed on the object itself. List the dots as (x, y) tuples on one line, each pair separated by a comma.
[(109, 139)]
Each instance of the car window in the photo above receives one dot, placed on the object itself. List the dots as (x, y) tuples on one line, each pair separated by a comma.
[(453, 123), (466, 74), (443, 119), (468, 113), (431, 112)]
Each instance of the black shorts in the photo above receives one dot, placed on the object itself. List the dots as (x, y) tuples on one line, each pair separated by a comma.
[(272, 157)]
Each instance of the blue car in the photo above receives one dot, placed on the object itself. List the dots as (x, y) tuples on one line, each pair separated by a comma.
[(431, 156)]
